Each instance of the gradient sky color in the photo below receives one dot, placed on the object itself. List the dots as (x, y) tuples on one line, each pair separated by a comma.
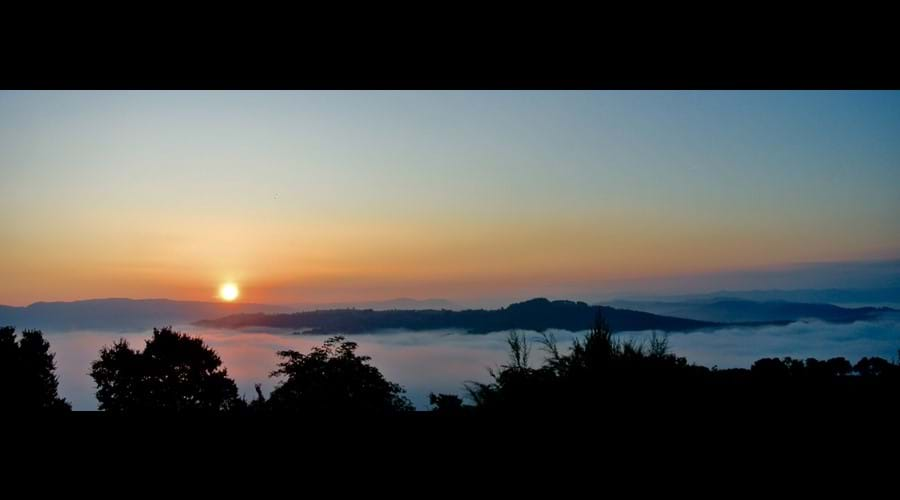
[(335, 196)]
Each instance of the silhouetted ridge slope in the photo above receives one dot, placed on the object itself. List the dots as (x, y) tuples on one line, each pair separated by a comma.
[(115, 313), (536, 314), (727, 309)]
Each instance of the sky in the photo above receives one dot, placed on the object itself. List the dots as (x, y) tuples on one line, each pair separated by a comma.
[(315, 196)]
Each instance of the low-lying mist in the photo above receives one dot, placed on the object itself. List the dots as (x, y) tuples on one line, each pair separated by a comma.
[(442, 360)]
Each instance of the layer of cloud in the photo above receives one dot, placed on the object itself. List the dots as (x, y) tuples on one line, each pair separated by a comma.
[(441, 361)]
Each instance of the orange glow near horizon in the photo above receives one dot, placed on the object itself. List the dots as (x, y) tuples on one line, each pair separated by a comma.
[(317, 197)]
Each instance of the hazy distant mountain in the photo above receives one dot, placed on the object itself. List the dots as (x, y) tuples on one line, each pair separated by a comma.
[(865, 296), (536, 314), (383, 305), (728, 309), (119, 314)]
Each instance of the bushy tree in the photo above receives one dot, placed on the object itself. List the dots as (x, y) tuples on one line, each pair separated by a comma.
[(770, 369), (596, 373), (174, 372), (332, 378), (873, 367), (27, 373), (446, 404)]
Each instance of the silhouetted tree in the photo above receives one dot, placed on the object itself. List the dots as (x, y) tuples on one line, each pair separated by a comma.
[(770, 369), (599, 372), (606, 374), (258, 405), (333, 378), (447, 404), (834, 367), (516, 386), (839, 367), (872, 367), (798, 370), (174, 372), (27, 378)]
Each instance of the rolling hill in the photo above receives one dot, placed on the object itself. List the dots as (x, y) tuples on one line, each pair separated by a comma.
[(119, 314), (728, 309), (536, 314)]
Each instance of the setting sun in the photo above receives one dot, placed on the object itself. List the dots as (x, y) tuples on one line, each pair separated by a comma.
[(229, 292)]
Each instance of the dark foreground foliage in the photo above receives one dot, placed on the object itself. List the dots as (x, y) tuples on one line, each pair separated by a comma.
[(332, 379), (602, 374), (179, 373), (175, 372), (27, 378)]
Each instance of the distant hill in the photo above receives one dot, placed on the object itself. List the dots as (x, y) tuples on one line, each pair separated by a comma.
[(119, 314), (535, 314), (849, 296), (383, 305), (729, 309)]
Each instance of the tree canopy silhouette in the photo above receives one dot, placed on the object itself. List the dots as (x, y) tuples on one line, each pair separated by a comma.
[(27, 372), (596, 371), (447, 404), (174, 372), (333, 378), (602, 373)]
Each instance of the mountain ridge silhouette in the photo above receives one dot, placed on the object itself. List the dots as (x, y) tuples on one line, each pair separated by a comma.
[(731, 309), (537, 314), (123, 314)]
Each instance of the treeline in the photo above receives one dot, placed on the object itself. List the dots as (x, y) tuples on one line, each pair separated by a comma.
[(175, 372), (602, 374)]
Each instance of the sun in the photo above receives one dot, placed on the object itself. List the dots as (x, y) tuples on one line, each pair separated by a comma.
[(228, 292)]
